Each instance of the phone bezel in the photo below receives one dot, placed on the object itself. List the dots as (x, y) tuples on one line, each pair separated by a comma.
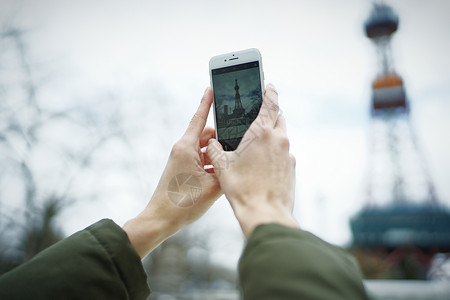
[(232, 59)]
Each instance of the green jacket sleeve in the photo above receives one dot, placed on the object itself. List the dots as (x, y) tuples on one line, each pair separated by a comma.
[(286, 263), (96, 263)]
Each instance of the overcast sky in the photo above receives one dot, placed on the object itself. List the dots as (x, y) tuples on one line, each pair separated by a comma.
[(315, 53)]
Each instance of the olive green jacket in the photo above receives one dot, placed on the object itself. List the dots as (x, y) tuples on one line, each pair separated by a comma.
[(100, 263), (286, 263)]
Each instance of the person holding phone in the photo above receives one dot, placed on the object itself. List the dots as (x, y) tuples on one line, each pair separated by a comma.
[(280, 261)]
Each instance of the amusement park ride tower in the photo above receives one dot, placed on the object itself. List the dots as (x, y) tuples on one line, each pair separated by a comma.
[(402, 210)]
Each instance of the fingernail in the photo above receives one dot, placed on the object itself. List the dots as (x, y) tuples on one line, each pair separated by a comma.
[(211, 141), (206, 90), (271, 86)]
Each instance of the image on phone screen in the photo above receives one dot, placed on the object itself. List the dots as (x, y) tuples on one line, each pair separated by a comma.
[(237, 100)]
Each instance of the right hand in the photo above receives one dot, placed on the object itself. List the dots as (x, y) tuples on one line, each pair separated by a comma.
[(258, 178)]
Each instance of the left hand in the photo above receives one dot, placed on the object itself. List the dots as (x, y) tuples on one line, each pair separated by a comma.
[(185, 191)]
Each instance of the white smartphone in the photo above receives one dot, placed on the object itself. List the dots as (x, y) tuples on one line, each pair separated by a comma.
[(237, 80)]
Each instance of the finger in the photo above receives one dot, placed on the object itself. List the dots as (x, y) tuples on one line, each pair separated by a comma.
[(207, 134), (293, 160), (214, 150), (217, 157), (206, 160), (268, 113), (270, 104), (281, 124), (199, 119)]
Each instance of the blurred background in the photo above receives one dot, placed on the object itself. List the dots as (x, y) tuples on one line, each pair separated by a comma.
[(93, 94)]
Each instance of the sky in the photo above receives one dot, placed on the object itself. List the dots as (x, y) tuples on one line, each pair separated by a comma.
[(155, 54)]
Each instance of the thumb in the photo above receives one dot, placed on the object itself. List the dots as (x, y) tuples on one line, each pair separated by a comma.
[(218, 158)]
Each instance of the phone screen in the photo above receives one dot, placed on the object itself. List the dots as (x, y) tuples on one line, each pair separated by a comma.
[(237, 100)]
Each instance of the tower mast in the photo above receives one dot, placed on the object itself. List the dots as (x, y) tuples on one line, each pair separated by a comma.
[(238, 109)]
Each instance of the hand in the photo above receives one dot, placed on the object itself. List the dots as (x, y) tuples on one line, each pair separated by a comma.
[(185, 191), (258, 178)]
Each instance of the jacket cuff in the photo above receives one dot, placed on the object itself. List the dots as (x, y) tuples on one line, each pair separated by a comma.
[(124, 257), (280, 260)]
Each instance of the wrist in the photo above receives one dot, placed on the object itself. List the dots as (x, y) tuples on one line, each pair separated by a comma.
[(251, 217), (146, 232)]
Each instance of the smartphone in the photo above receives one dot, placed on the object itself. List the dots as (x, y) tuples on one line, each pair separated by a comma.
[(237, 80)]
